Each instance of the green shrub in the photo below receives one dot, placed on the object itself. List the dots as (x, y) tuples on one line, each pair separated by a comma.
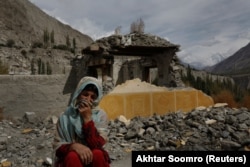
[(10, 43), (37, 45), (24, 53), (3, 68), (1, 113), (49, 68), (32, 51), (61, 47)]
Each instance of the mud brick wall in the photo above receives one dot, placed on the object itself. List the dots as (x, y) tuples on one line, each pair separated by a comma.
[(43, 94)]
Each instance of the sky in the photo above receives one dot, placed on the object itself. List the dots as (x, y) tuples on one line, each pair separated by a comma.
[(206, 30)]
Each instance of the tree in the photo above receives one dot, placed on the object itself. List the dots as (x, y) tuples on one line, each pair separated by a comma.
[(118, 30), (52, 37), (67, 42), (74, 45), (137, 26), (3, 68), (39, 65), (1, 113), (42, 68), (49, 69), (10, 43), (133, 27), (190, 77), (32, 66), (45, 37), (141, 26)]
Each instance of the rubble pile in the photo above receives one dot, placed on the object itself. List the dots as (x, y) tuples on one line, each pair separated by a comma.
[(28, 141), (133, 39), (215, 128)]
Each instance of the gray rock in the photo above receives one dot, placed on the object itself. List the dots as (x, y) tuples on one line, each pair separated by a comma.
[(31, 117), (173, 132)]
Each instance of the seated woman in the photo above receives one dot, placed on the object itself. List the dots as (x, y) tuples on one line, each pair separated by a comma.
[(82, 129)]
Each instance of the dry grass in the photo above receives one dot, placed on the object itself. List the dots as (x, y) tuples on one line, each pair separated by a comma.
[(225, 96), (246, 101)]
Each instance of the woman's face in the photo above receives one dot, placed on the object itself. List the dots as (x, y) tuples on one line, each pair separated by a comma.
[(87, 95)]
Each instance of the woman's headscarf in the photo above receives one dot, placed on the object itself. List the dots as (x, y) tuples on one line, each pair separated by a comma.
[(70, 123)]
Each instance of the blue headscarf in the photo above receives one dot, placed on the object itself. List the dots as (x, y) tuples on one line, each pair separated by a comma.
[(70, 123)]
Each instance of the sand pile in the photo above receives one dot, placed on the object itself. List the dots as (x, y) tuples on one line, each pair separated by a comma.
[(136, 85)]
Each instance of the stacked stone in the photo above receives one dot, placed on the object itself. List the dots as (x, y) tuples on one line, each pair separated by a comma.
[(28, 141)]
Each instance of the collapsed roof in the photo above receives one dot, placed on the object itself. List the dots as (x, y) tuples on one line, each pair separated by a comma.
[(130, 44)]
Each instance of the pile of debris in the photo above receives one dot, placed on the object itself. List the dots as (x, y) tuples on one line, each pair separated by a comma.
[(134, 39), (114, 42), (216, 128), (28, 141)]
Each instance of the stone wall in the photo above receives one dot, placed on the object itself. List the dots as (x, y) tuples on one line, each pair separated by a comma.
[(43, 94), (48, 95)]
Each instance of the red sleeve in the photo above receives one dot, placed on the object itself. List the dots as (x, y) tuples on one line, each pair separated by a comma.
[(92, 136), (63, 150)]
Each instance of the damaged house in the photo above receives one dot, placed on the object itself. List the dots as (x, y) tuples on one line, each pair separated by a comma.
[(125, 57)]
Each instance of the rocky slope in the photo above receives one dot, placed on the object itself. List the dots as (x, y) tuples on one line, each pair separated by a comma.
[(25, 25), (237, 64)]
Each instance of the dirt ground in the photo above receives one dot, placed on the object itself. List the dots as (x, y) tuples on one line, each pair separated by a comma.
[(125, 162)]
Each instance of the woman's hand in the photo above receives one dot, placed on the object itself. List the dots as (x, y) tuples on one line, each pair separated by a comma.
[(83, 151), (85, 110)]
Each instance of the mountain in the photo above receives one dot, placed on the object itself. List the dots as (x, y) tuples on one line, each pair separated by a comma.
[(23, 22), (23, 48), (237, 64)]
